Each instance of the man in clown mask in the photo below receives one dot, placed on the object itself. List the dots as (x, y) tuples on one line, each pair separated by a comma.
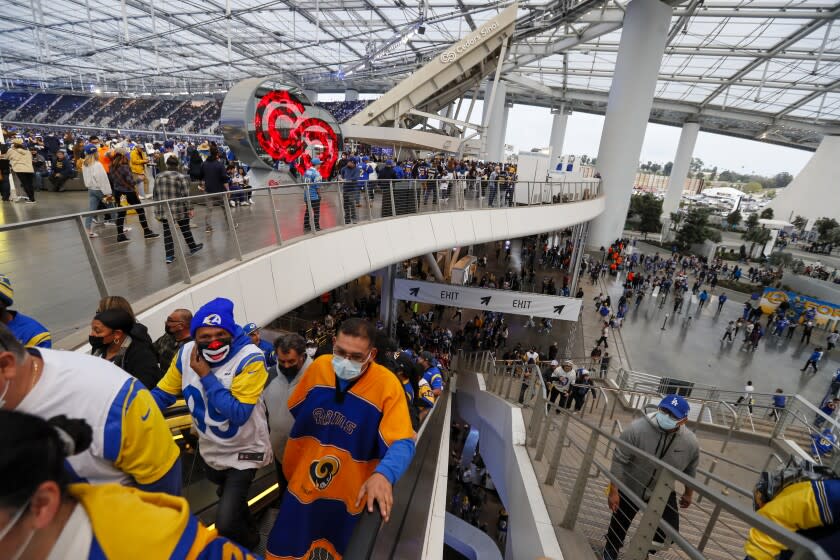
[(221, 375), (662, 434), (350, 442)]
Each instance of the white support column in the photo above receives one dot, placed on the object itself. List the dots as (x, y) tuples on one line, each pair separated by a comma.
[(679, 171), (351, 95), (311, 94), (643, 37), (497, 152), (495, 122), (558, 132)]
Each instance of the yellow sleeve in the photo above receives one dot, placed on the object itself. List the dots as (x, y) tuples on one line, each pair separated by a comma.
[(794, 508), (171, 381), (249, 383), (147, 450), (396, 422), (41, 339)]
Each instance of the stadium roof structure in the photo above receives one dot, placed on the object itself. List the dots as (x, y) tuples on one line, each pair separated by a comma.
[(761, 69)]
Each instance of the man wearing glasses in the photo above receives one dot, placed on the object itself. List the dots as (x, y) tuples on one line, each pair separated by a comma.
[(350, 442), (663, 435), (176, 334)]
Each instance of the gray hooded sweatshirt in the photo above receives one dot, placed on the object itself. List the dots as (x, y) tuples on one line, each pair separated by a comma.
[(678, 449)]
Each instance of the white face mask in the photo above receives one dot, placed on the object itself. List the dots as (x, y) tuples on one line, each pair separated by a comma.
[(3, 398), (10, 525)]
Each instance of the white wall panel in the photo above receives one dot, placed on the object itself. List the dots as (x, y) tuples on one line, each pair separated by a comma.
[(499, 225), (352, 252), (481, 225), (325, 262), (378, 241), (442, 224), (292, 276), (464, 232), (259, 298), (225, 285)]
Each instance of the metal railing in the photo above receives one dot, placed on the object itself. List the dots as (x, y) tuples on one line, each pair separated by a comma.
[(577, 452), (59, 287)]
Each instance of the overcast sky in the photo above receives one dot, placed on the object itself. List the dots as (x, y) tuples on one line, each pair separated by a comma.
[(530, 127)]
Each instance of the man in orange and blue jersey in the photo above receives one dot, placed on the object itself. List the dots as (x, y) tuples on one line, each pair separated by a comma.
[(432, 373), (350, 442)]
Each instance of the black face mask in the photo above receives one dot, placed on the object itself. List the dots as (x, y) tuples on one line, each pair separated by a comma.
[(288, 372), (97, 342)]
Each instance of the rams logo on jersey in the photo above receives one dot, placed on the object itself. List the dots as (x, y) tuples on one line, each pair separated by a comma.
[(323, 470)]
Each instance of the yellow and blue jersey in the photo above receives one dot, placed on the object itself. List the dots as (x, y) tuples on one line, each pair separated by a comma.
[(425, 394), (339, 438), (29, 332), (132, 443), (800, 507), (226, 405), (130, 524), (434, 378)]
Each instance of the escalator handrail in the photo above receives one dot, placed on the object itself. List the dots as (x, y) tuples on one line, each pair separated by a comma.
[(373, 538)]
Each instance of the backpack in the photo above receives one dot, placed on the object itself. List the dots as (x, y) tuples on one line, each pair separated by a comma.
[(771, 483)]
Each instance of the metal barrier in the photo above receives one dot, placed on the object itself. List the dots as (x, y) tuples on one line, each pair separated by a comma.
[(716, 529), (43, 257)]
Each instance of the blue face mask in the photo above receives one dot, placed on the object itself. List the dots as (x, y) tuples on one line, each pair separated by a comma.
[(665, 421), (345, 369)]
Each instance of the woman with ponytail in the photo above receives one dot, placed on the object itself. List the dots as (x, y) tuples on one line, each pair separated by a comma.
[(44, 517)]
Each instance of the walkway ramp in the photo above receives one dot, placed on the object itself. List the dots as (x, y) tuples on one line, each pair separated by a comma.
[(444, 79)]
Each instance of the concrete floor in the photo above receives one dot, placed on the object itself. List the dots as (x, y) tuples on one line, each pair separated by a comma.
[(692, 350)]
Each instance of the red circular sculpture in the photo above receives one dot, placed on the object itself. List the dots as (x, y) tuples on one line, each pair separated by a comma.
[(285, 133)]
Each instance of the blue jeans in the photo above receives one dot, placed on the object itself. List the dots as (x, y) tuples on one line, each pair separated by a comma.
[(232, 516), (493, 190), (95, 197)]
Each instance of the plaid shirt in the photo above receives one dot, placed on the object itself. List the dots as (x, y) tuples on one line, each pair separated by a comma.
[(172, 186)]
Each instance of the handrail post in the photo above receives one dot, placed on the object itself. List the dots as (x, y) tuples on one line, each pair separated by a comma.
[(391, 192), (179, 247), (309, 210), (543, 436), (709, 526), (579, 488), (554, 464), (93, 260), (537, 414), (275, 219), (341, 214), (369, 201), (641, 541), (437, 191), (231, 224)]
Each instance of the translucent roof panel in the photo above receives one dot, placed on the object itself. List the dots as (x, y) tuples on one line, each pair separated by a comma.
[(749, 61)]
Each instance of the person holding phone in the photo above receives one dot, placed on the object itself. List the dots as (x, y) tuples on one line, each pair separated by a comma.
[(221, 375)]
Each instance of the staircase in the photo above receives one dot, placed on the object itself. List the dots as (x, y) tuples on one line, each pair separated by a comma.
[(724, 540)]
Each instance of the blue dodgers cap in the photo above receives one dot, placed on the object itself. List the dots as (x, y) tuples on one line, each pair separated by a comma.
[(676, 405), (250, 327)]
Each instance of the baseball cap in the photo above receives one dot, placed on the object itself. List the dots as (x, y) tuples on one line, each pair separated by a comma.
[(91, 149), (676, 405), (250, 328), (389, 162), (555, 363), (316, 161), (426, 355)]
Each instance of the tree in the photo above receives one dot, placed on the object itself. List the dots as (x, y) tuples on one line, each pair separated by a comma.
[(767, 214), (734, 218), (799, 222), (726, 176), (676, 218), (695, 228), (771, 194), (824, 225), (752, 187), (714, 173), (782, 179), (584, 159), (695, 165), (666, 170), (649, 209), (755, 234), (654, 167)]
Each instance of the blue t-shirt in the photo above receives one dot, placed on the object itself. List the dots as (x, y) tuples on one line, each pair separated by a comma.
[(29, 332), (434, 378)]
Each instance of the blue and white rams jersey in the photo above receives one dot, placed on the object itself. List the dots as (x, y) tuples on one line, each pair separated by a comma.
[(223, 444)]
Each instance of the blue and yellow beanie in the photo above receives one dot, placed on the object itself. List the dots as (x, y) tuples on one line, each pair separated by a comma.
[(7, 294), (215, 313)]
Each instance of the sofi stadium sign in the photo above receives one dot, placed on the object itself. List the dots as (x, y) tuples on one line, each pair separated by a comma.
[(451, 55)]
